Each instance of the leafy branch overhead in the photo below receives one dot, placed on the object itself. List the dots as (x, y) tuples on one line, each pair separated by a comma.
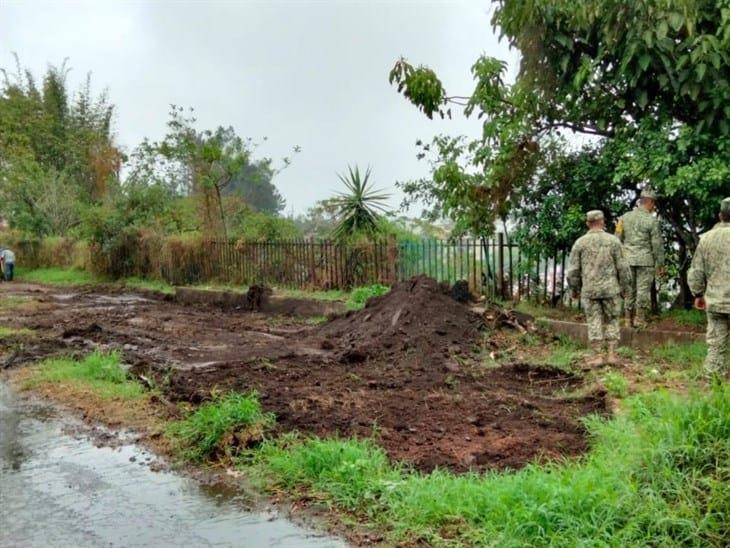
[(612, 70)]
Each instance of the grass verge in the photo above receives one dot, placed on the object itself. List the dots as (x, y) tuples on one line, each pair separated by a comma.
[(56, 276), (659, 474), (101, 373), (221, 428), (152, 285)]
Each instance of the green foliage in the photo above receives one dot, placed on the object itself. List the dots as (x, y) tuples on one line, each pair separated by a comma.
[(98, 371), (655, 476), (354, 474), (603, 61), (57, 153), (56, 276), (691, 318), (253, 183), (633, 74), (616, 384), (222, 426), (565, 354), (152, 285), (359, 207), (360, 295), (266, 227), (684, 356), (205, 165)]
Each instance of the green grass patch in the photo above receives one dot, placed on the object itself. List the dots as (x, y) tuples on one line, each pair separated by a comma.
[(152, 285), (616, 384), (56, 276), (8, 332), (221, 428), (360, 295), (656, 476), (101, 372), (331, 295), (690, 318), (566, 353), (688, 356)]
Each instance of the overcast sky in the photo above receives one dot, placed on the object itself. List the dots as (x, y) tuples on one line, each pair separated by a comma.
[(307, 73)]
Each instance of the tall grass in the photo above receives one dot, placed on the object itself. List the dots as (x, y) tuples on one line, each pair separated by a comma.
[(222, 427), (98, 371), (659, 475)]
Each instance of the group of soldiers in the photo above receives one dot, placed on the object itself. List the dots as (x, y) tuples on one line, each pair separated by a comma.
[(606, 271)]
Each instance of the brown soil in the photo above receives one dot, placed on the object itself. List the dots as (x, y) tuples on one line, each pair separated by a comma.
[(409, 369)]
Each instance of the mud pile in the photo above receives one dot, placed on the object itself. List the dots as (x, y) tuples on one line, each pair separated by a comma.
[(417, 315)]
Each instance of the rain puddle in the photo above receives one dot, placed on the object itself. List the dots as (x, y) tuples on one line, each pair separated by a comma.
[(57, 490)]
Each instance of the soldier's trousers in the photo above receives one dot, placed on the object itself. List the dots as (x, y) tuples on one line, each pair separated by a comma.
[(602, 316), (718, 338), (642, 278)]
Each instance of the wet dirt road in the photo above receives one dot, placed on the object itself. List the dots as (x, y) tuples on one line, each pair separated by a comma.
[(57, 489)]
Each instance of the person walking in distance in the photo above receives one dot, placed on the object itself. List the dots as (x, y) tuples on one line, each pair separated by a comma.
[(641, 233), (709, 281), (599, 274), (7, 260)]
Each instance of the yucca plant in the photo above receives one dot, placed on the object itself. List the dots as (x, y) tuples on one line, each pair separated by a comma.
[(358, 208)]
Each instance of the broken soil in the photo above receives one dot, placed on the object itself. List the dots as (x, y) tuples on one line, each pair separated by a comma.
[(409, 369)]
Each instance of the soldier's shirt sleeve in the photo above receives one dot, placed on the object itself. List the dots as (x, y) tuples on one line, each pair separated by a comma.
[(657, 243), (697, 275), (574, 272)]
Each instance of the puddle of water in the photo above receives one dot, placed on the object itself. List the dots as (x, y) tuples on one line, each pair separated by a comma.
[(56, 490)]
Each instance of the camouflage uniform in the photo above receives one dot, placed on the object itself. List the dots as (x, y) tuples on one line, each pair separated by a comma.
[(709, 276), (641, 234), (599, 272)]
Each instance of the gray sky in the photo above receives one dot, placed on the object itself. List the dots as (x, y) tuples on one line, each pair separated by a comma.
[(307, 73)]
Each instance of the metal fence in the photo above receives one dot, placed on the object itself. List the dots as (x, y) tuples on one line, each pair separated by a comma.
[(494, 267)]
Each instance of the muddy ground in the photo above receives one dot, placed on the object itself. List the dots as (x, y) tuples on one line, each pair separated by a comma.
[(414, 368)]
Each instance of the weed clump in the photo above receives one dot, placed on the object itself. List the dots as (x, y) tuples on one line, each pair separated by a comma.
[(222, 428)]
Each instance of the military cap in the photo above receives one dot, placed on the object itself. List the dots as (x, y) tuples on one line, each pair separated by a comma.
[(594, 215), (649, 193), (725, 206)]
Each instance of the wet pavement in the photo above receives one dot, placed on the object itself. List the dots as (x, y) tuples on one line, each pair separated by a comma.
[(58, 489)]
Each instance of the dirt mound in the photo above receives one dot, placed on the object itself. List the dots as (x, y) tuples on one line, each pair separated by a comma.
[(417, 315)]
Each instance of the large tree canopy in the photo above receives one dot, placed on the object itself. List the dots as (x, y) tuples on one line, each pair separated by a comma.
[(648, 82)]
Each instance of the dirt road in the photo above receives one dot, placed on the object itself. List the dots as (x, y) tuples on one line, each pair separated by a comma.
[(410, 369)]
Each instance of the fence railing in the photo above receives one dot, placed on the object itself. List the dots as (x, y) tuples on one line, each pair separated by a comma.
[(494, 267)]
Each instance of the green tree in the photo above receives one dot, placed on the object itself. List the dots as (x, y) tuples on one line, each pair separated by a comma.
[(253, 183), (597, 67), (359, 208), (203, 164), (57, 153)]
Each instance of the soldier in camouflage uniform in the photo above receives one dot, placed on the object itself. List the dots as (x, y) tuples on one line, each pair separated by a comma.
[(599, 273), (709, 280), (641, 234)]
